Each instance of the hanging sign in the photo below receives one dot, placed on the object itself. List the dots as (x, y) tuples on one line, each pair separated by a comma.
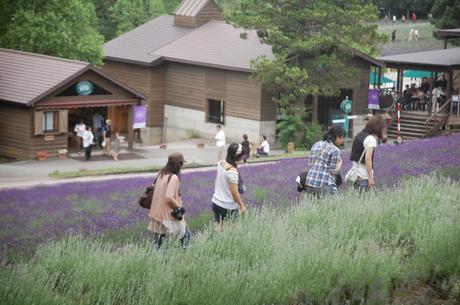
[(346, 106), (373, 99), (140, 116), (84, 88)]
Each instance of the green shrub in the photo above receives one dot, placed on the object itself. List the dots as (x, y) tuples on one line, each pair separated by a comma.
[(340, 250), (294, 127)]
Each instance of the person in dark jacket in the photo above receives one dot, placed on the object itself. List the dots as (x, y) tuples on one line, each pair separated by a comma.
[(246, 148)]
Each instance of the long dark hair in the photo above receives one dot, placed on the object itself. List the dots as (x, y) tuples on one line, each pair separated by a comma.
[(333, 133), (174, 165), (376, 126), (233, 156)]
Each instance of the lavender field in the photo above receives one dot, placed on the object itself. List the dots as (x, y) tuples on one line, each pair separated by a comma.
[(33, 216)]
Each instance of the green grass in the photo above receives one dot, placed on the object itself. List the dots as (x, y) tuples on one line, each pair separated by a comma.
[(150, 169), (347, 249)]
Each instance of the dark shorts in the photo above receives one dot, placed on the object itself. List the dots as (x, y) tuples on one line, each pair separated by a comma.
[(221, 214), (361, 185)]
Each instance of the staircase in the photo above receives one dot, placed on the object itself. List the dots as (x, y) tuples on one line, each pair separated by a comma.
[(412, 125)]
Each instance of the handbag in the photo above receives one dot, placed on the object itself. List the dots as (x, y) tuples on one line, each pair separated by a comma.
[(352, 174), (145, 200)]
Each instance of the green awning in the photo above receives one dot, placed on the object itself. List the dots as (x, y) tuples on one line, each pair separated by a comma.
[(383, 80), (417, 74)]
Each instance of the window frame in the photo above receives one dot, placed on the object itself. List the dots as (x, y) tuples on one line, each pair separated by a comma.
[(55, 114), (222, 113)]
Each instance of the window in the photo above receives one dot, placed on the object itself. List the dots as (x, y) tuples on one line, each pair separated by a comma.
[(50, 121), (216, 111)]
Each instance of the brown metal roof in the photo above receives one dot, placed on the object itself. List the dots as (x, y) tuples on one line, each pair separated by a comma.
[(216, 44), (136, 45), (449, 33), (190, 7), (25, 77), (437, 59)]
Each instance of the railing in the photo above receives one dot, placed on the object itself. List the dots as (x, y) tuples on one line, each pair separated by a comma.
[(391, 109), (439, 119)]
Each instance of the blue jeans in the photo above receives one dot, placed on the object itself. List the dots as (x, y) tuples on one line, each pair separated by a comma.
[(361, 185)]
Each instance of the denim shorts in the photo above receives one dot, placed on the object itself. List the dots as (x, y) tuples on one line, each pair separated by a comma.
[(221, 214), (361, 185)]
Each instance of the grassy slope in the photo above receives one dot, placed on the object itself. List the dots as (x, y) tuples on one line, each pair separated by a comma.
[(346, 247)]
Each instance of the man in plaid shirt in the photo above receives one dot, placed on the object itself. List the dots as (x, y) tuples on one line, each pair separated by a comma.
[(325, 161)]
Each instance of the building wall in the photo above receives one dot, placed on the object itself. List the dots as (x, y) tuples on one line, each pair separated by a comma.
[(19, 140), (190, 86), (181, 121), (360, 93)]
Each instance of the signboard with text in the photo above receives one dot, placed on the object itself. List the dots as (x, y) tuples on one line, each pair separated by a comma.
[(140, 116), (373, 99)]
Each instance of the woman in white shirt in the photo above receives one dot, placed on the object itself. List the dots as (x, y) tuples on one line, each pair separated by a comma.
[(88, 141), (264, 148), (220, 142), (226, 201), (363, 149), (79, 129)]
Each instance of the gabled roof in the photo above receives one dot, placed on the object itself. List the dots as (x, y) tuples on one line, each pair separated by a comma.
[(25, 78), (190, 7), (136, 46), (216, 44), (437, 59)]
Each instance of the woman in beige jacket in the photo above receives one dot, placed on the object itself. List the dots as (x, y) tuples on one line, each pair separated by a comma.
[(166, 211)]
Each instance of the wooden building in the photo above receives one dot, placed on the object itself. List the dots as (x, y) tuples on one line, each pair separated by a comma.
[(194, 70), (39, 102)]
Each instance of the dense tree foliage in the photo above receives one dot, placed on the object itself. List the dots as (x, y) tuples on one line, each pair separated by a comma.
[(49, 27), (312, 43), (446, 15)]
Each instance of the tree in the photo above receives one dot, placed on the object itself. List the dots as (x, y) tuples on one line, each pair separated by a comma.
[(446, 14), (107, 26), (48, 27), (129, 14), (312, 42)]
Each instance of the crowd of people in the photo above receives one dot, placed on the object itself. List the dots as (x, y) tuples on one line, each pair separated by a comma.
[(417, 98), (323, 177), (394, 19), (99, 135)]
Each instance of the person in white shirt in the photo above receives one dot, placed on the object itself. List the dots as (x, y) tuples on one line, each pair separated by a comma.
[(437, 92), (88, 141), (226, 201), (264, 147), (363, 148), (220, 142), (79, 129)]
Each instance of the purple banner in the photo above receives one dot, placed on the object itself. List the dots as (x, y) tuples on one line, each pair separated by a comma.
[(373, 99), (140, 116)]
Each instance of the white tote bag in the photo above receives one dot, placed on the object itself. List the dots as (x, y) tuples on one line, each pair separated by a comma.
[(352, 174)]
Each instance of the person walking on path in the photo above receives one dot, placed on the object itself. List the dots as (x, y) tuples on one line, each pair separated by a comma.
[(88, 141), (394, 18), (107, 137), (411, 35), (325, 163), (246, 148), (79, 129), (403, 19), (226, 201), (393, 36), (98, 122), (119, 140), (414, 17), (220, 142), (364, 145), (166, 211)]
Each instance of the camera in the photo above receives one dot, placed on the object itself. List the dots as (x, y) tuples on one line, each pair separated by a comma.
[(178, 213)]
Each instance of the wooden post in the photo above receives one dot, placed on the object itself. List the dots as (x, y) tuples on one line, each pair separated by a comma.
[(445, 42), (130, 128), (314, 115), (430, 95)]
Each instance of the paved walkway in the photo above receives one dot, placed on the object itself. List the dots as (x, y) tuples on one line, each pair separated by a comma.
[(30, 173)]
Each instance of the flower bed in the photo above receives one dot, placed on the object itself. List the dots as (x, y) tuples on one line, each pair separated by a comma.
[(32, 216)]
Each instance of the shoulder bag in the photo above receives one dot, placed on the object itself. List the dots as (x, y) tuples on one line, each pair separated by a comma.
[(352, 174), (145, 200)]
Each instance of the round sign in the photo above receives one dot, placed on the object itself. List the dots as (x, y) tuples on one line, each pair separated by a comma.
[(346, 106), (84, 88)]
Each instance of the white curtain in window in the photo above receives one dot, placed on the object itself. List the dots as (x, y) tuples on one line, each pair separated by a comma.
[(48, 121)]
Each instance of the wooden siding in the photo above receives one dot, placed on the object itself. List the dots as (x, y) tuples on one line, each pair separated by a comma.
[(190, 86), (148, 81), (360, 94), (209, 12), (19, 142), (268, 107)]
